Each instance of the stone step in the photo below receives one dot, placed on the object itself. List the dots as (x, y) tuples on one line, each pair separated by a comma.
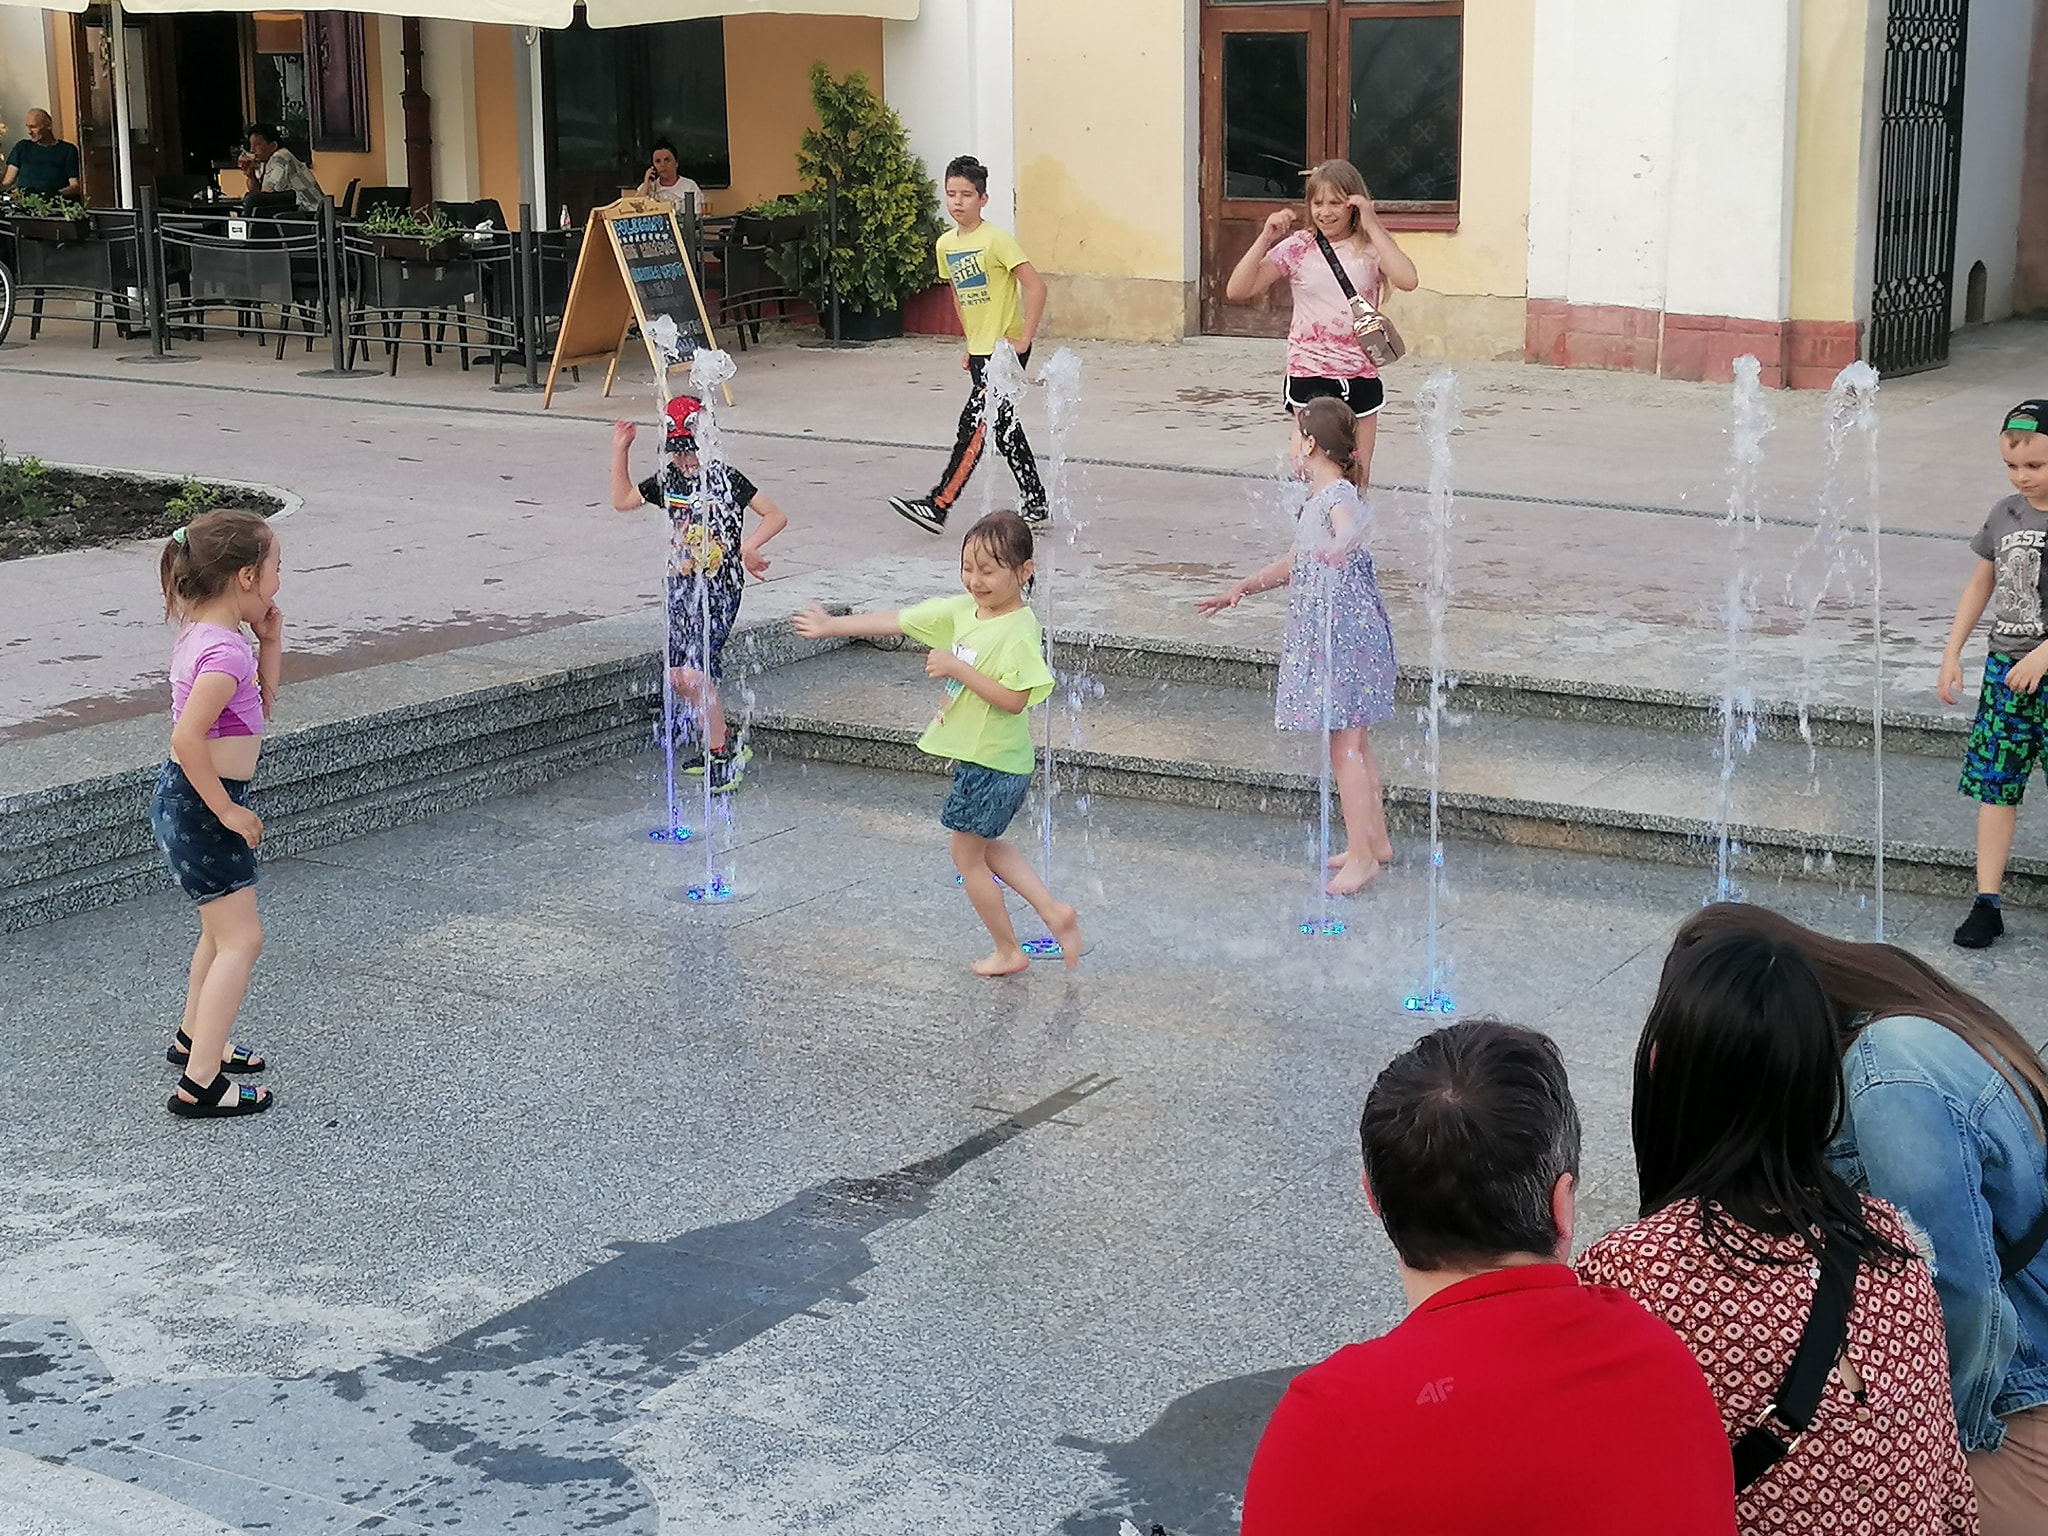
[(1926, 732), (1586, 782)]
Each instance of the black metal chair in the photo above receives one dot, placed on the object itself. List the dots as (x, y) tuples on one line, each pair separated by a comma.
[(345, 205), (748, 282), (370, 199)]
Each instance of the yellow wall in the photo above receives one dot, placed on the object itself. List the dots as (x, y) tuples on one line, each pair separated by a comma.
[(497, 118), (1828, 158), (768, 94), (1103, 178), (335, 171)]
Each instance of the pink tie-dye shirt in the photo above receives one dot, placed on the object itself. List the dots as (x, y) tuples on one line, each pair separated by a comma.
[(1320, 343)]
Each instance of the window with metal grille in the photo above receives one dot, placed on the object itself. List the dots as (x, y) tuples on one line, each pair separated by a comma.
[(1406, 81)]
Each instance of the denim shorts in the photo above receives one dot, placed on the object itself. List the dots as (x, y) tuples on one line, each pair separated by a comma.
[(2007, 740), (205, 858), (984, 801)]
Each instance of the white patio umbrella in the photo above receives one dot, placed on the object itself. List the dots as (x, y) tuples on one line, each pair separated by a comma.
[(633, 13)]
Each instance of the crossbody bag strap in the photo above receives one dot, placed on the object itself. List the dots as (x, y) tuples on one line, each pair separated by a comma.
[(2028, 1245), (1768, 1441), (1336, 265)]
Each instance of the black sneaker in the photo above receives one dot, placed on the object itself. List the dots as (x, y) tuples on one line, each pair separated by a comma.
[(728, 768), (1036, 513), (919, 510), (1984, 924)]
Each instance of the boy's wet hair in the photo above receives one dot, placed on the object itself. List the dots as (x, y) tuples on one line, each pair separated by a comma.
[(1007, 538), (967, 168), (203, 557)]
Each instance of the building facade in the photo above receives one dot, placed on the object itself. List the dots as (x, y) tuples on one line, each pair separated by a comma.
[(1656, 185)]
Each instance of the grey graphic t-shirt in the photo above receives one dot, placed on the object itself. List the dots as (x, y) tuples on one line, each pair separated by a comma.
[(2013, 538)]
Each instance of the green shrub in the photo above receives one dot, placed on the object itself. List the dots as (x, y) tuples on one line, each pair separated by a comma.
[(888, 204)]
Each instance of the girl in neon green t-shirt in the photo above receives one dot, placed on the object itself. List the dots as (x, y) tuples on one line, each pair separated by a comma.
[(987, 646)]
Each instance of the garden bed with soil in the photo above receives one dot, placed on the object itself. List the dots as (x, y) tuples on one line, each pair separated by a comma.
[(45, 510)]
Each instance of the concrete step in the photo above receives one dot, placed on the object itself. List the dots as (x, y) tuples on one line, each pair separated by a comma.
[(1826, 723), (1611, 778)]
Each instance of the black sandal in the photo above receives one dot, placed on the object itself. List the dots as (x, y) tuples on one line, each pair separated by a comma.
[(214, 1100), (240, 1058)]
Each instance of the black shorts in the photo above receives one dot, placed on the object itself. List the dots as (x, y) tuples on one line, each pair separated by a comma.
[(700, 620), (1364, 396), (205, 858)]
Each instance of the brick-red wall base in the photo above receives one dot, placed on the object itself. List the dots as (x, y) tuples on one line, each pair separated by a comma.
[(1795, 354), (932, 313)]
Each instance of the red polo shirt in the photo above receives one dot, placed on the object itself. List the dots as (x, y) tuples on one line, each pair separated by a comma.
[(1516, 1403)]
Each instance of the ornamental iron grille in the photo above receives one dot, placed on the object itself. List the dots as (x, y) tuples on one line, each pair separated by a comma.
[(1920, 156)]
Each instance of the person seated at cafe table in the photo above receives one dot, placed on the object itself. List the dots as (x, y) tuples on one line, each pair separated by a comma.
[(42, 163), (270, 167), (664, 179)]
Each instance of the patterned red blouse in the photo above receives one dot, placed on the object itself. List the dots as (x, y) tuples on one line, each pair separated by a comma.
[(1888, 1464)]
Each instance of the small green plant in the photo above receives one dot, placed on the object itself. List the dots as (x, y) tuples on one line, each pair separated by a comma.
[(428, 224), (21, 487), (888, 206), (48, 206), (193, 498)]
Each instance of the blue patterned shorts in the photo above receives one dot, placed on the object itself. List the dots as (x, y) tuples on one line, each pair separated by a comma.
[(700, 618), (205, 858), (2007, 739), (984, 801)]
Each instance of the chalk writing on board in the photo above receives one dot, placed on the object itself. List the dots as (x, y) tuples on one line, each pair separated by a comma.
[(660, 275)]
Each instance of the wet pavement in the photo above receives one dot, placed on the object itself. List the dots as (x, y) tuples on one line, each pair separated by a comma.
[(587, 1208)]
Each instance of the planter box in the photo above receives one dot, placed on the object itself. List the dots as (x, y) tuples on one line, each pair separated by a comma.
[(869, 325), (52, 231), (412, 248)]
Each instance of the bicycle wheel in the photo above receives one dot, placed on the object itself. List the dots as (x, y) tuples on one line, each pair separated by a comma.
[(6, 301)]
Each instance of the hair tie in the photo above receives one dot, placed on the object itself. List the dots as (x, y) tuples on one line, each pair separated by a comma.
[(178, 536)]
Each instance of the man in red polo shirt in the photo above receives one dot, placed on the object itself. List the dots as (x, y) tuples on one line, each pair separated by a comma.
[(1512, 1400)]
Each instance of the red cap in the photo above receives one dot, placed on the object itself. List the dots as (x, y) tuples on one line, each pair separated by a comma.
[(682, 416)]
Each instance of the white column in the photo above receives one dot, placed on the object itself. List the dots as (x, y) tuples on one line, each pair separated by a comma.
[(951, 75), (390, 114), (448, 70), (1736, 120), (124, 141)]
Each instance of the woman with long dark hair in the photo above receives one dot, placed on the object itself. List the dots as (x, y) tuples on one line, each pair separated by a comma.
[(1737, 1094), (1944, 1111)]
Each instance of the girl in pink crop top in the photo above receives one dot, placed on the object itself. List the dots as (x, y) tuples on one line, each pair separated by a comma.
[(211, 648)]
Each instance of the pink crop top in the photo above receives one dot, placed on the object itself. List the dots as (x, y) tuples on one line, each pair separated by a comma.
[(210, 648)]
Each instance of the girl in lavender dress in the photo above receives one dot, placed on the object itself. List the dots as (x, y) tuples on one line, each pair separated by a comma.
[(1329, 567)]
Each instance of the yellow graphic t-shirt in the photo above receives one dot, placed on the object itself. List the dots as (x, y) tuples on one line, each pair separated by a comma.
[(1008, 648), (979, 266)]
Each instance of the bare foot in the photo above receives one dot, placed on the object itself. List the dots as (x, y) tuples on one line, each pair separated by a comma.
[(1337, 860), (1066, 927), (1001, 964), (1353, 877), (1383, 850)]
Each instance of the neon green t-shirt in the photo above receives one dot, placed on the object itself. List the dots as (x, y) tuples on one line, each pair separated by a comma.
[(1008, 648), (979, 266)]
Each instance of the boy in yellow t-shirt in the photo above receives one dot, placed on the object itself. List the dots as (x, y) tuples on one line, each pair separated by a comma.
[(990, 275), (987, 646)]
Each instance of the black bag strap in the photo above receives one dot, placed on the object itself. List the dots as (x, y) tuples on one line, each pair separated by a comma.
[(2029, 1244), (1336, 265), (1762, 1446)]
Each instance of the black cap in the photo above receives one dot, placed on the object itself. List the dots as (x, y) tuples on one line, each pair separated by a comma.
[(2027, 416)]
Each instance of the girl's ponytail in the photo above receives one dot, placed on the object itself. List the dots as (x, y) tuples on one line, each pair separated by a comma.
[(201, 559)]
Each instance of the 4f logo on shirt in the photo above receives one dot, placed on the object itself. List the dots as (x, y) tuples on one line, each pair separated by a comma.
[(1434, 1393), (969, 279)]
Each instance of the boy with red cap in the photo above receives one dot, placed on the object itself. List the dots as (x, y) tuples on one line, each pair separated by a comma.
[(710, 554)]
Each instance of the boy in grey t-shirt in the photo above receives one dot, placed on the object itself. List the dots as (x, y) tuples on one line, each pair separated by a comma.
[(2010, 734)]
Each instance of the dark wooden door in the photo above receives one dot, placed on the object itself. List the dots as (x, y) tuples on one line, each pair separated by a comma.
[(1265, 122)]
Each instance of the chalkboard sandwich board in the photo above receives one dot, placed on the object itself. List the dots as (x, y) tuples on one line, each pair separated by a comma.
[(633, 269)]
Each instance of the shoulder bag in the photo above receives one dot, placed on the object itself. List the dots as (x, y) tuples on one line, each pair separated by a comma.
[(1784, 1423), (1375, 332)]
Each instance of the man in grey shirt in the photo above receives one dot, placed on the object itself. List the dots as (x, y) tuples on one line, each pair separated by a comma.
[(270, 167)]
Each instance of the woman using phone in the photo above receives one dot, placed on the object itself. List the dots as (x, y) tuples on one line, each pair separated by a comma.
[(664, 180)]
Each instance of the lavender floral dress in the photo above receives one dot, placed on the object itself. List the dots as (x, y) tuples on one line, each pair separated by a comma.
[(1361, 643)]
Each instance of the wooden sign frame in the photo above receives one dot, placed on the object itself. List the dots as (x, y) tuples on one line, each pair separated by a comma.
[(603, 306)]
